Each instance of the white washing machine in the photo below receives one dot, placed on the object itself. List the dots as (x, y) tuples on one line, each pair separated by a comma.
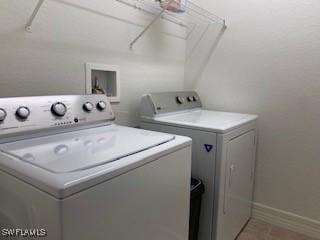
[(68, 173), (223, 157)]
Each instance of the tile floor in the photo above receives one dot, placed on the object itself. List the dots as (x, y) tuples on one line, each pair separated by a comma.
[(259, 230)]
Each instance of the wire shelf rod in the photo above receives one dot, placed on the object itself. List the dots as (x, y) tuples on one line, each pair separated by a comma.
[(149, 25), (206, 16), (34, 15), (188, 8), (102, 14), (164, 16)]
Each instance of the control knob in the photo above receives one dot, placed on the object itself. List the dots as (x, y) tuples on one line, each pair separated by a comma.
[(59, 109), (180, 99), (23, 112), (3, 114), (88, 106), (195, 98), (190, 99), (101, 105)]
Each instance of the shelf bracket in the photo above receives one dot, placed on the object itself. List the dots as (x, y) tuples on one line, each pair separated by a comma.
[(150, 24), (34, 15), (225, 26)]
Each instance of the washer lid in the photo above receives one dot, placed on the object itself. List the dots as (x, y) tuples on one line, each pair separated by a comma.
[(85, 149), (219, 122)]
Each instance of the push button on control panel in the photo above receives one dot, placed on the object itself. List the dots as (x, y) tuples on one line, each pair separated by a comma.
[(23, 112), (3, 115), (59, 109)]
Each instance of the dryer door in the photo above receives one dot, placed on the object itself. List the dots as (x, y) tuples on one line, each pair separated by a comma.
[(239, 181)]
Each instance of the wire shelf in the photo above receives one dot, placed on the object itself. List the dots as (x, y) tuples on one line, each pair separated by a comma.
[(188, 16)]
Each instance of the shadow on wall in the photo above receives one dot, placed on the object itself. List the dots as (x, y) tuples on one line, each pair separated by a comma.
[(199, 53)]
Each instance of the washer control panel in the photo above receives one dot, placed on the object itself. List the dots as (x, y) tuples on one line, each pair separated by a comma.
[(24, 114)]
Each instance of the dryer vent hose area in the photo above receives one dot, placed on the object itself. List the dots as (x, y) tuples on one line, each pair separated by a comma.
[(173, 6)]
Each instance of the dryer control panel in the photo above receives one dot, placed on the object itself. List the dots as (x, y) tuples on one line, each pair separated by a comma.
[(23, 114), (166, 102)]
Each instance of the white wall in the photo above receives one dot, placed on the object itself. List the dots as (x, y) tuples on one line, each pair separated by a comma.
[(51, 59), (268, 62)]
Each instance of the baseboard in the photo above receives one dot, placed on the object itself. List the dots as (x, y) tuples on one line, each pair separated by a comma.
[(287, 220)]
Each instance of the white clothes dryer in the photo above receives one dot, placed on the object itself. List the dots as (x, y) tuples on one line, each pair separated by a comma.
[(223, 157)]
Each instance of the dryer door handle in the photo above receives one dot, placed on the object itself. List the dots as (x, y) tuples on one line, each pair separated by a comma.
[(231, 170), (227, 187)]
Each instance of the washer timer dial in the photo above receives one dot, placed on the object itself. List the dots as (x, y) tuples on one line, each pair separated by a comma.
[(23, 112), (59, 109), (3, 114), (190, 99), (180, 99), (101, 105), (88, 106)]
